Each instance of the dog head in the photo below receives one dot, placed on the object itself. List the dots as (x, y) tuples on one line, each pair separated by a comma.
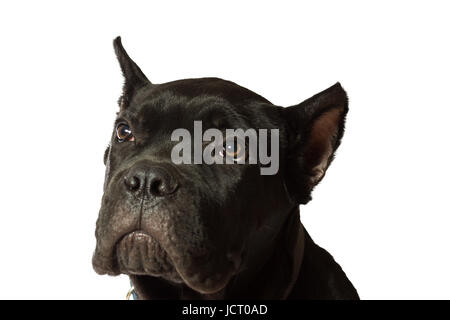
[(202, 224)]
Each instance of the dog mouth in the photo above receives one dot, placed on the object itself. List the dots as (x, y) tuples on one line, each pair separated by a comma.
[(138, 253), (164, 241)]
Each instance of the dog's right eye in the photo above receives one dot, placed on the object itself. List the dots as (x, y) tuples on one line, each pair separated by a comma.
[(123, 133)]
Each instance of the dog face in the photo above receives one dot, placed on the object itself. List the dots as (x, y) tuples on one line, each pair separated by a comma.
[(202, 224)]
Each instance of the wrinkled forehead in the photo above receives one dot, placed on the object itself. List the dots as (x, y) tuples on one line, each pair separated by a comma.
[(167, 111), (180, 104)]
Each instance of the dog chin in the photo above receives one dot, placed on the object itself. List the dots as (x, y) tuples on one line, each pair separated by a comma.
[(209, 284), (205, 282), (140, 254)]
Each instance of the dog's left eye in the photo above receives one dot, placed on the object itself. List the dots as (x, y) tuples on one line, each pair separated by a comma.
[(233, 149), (123, 133)]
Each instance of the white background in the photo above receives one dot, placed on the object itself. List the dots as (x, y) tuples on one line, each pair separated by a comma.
[(382, 210)]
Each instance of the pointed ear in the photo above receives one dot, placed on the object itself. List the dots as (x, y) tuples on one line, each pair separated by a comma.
[(134, 77), (315, 128)]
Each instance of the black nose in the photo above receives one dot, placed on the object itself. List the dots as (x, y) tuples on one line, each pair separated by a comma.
[(146, 180)]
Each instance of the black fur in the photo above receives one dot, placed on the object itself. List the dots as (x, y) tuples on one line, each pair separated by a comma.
[(216, 231)]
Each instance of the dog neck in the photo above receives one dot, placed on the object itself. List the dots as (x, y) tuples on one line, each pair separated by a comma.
[(274, 275), (271, 276)]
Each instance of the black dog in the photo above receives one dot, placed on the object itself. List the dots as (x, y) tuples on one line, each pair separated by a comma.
[(200, 231)]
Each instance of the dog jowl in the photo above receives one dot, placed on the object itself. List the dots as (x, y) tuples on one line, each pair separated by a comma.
[(202, 230)]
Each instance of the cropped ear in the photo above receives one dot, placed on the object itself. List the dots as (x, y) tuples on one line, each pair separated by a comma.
[(315, 128), (134, 77)]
